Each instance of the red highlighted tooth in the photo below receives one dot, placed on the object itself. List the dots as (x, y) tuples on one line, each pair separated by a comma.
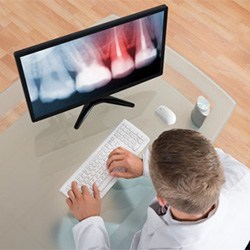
[(121, 62), (92, 72)]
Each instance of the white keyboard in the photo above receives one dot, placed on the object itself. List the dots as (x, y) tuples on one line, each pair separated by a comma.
[(94, 168)]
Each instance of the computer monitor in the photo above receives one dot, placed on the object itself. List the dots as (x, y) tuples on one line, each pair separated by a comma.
[(88, 66)]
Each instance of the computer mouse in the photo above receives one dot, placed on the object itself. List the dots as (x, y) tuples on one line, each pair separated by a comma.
[(166, 114)]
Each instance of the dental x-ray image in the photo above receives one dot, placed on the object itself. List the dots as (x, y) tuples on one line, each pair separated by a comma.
[(77, 71)]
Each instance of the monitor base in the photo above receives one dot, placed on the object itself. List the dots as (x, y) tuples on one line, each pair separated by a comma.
[(87, 107)]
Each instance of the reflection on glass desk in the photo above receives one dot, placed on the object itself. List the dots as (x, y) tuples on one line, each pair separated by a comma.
[(37, 158)]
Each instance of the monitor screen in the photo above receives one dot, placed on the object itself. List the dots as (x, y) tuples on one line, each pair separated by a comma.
[(79, 68)]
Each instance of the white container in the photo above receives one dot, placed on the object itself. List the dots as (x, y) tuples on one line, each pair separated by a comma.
[(200, 111)]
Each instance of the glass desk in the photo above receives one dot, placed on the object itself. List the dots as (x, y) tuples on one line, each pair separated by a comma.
[(37, 158)]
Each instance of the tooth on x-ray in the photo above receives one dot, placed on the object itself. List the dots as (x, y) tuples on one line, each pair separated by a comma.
[(92, 73), (121, 62), (145, 50), (56, 82), (55, 86), (31, 74), (33, 91), (92, 76)]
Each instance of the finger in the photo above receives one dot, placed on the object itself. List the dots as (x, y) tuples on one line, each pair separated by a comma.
[(114, 158), (69, 203), (117, 154), (71, 196), (76, 190), (116, 165), (85, 190), (118, 150), (96, 192)]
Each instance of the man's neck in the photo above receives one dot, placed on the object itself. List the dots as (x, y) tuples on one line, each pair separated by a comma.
[(181, 216)]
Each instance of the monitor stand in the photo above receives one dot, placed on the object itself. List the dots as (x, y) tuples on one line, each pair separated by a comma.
[(87, 107)]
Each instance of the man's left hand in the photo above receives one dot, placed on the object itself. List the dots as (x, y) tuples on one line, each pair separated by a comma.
[(82, 204)]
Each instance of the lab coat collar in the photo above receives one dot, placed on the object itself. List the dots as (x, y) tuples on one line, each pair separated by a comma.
[(181, 233)]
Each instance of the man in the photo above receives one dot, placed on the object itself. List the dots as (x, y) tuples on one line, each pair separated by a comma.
[(203, 197)]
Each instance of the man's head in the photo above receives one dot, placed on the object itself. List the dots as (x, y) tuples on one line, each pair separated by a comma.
[(186, 171)]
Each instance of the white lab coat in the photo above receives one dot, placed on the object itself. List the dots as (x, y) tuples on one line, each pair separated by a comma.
[(227, 227)]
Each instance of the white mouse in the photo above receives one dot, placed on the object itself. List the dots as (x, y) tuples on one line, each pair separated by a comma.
[(166, 114)]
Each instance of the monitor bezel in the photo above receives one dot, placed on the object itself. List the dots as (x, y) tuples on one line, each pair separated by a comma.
[(85, 32)]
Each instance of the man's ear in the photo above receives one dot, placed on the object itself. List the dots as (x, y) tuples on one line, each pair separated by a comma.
[(161, 201)]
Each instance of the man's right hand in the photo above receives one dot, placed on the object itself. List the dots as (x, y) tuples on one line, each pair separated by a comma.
[(123, 163)]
